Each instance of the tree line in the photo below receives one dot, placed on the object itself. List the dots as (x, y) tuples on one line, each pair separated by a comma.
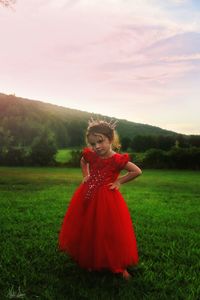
[(142, 143), (156, 151), (175, 158)]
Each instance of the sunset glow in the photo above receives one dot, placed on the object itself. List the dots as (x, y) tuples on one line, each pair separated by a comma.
[(136, 60)]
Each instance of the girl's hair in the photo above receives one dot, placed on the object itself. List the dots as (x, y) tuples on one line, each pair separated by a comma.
[(96, 127)]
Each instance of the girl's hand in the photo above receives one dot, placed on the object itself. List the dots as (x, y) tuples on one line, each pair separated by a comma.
[(115, 185), (85, 179)]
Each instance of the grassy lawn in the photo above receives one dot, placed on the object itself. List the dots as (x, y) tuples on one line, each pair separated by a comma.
[(164, 206), (63, 155)]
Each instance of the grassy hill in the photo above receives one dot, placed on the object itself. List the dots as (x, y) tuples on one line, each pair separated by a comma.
[(24, 118)]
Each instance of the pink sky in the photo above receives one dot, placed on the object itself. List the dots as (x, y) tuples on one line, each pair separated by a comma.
[(136, 60)]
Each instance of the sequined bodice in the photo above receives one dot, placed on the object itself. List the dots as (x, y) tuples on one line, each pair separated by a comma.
[(102, 171)]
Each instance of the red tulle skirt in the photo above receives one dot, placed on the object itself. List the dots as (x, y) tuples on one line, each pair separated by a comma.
[(97, 230)]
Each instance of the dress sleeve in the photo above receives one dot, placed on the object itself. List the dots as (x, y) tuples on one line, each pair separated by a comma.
[(122, 160), (87, 154)]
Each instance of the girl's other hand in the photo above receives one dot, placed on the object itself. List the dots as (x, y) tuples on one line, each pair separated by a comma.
[(85, 179), (114, 185)]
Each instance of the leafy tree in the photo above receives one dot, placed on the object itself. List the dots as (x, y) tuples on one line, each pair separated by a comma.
[(5, 139), (60, 130), (184, 158), (15, 156), (141, 143), (182, 141), (43, 149), (125, 142), (155, 158), (76, 130), (194, 140), (176, 158), (164, 142)]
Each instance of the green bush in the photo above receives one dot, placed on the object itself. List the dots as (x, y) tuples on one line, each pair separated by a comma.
[(176, 158), (184, 158), (155, 158), (74, 161)]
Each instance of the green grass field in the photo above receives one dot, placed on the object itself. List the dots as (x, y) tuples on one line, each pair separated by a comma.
[(164, 206)]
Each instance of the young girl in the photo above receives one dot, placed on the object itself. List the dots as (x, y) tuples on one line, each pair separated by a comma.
[(97, 230)]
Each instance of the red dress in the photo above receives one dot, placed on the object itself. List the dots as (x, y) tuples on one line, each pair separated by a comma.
[(97, 230)]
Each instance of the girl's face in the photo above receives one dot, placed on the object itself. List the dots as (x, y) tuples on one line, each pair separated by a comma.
[(100, 144)]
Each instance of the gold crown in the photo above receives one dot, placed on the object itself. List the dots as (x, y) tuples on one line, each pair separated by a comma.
[(112, 124)]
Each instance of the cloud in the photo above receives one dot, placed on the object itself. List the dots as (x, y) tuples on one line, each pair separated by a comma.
[(131, 63), (179, 2), (178, 44), (191, 57)]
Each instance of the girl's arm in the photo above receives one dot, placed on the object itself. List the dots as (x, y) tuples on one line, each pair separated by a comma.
[(133, 172), (85, 169)]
